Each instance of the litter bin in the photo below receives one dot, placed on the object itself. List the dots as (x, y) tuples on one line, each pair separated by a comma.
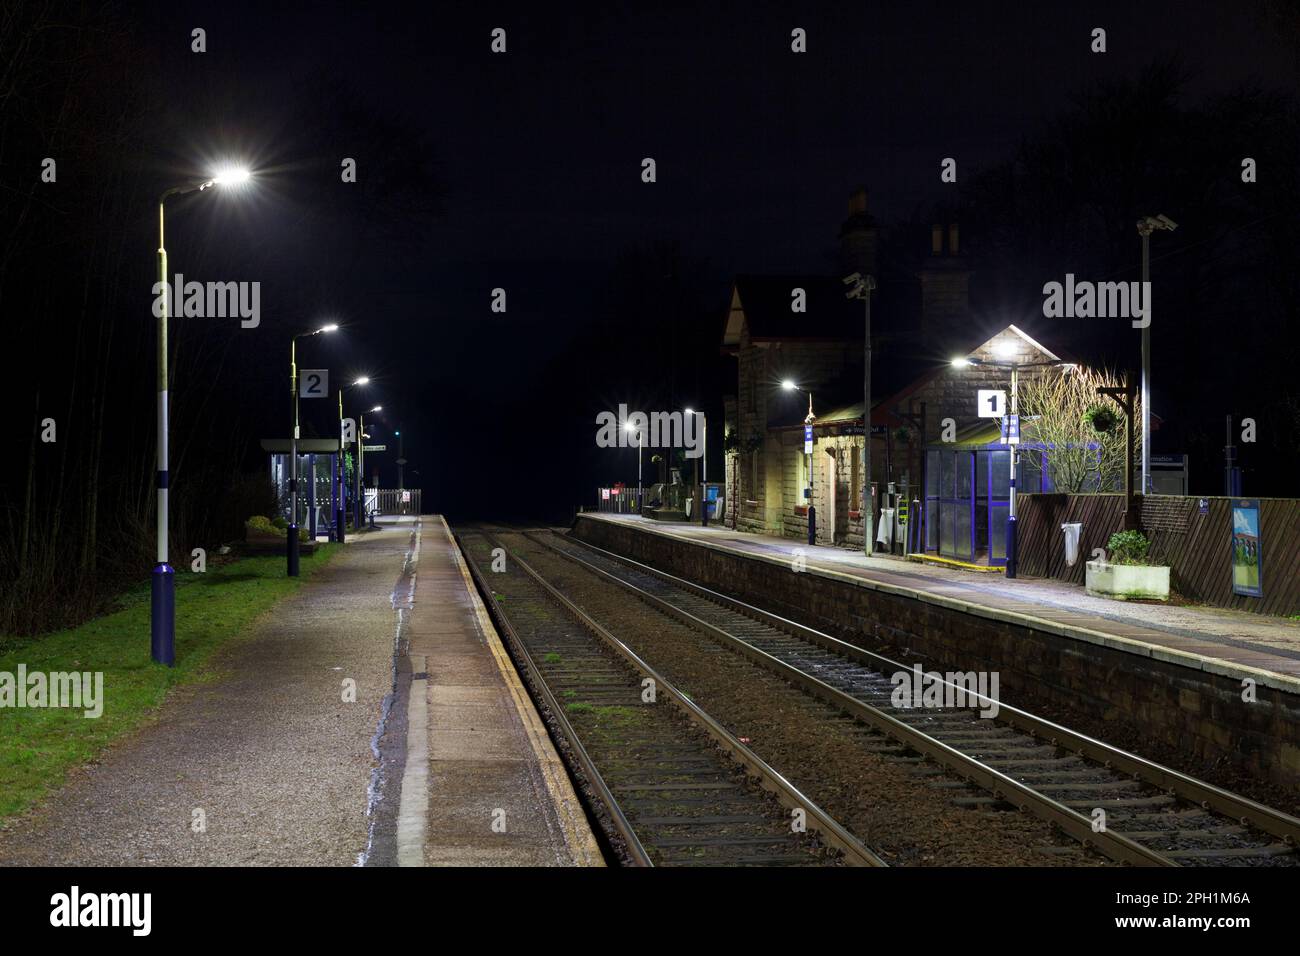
[(1072, 531)]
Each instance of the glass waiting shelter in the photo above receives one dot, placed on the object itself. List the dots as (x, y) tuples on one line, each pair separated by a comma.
[(320, 497), (968, 491)]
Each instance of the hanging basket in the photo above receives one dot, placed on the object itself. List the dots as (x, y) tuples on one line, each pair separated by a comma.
[(1102, 418)]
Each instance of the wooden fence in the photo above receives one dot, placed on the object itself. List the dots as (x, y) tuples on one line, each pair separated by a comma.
[(1197, 547)]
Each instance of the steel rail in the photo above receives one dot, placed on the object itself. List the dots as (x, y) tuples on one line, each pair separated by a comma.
[(1206, 795), (1111, 844), (855, 852)]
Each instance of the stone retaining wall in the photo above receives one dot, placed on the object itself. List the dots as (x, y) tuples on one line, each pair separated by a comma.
[(1200, 713)]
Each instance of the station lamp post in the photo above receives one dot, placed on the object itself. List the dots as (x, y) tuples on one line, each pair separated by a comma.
[(1014, 422), (291, 536), (162, 603), (704, 467), (340, 517), (401, 462), (1146, 226), (360, 505), (640, 445), (790, 386)]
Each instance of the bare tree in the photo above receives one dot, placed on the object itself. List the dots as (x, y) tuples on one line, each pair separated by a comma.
[(1079, 458)]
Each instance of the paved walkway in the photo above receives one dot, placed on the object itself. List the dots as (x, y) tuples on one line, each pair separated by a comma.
[(1230, 642), (497, 792), (281, 766)]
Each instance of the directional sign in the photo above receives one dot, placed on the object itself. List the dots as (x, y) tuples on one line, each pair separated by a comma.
[(807, 440), (1011, 430), (992, 402), (374, 448), (314, 383)]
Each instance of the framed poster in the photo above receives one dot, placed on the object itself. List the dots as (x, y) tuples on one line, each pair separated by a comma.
[(1247, 554)]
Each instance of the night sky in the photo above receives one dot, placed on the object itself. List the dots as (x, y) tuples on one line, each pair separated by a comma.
[(522, 171)]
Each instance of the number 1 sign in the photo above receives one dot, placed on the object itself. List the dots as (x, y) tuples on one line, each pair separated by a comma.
[(992, 402)]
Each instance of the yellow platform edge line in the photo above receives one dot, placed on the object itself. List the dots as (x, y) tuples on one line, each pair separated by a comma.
[(954, 563)]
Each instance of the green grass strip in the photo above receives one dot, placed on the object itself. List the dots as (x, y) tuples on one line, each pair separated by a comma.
[(38, 745)]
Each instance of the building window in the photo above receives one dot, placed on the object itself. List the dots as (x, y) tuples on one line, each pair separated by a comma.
[(802, 472), (855, 478)]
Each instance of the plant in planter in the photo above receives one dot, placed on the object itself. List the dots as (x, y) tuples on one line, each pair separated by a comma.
[(1129, 573)]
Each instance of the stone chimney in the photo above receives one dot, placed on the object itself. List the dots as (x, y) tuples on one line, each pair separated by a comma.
[(858, 237), (945, 284)]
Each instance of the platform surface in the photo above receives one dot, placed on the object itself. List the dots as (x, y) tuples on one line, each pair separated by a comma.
[(1217, 640), (281, 765), (497, 792)]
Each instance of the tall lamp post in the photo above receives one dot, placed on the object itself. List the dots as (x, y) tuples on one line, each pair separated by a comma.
[(790, 386), (360, 506), (640, 446), (401, 462), (291, 537), (704, 467), (162, 597), (1015, 368), (861, 287), (340, 517), (1146, 226)]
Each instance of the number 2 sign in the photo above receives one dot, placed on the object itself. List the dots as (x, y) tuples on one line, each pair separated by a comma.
[(314, 383), (992, 402)]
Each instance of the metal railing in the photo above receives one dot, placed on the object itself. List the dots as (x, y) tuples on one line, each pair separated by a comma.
[(393, 501), (616, 500)]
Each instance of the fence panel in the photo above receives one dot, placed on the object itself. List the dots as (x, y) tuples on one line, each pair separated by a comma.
[(397, 501), (1196, 547)]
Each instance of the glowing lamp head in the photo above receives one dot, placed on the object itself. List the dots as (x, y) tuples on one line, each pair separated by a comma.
[(789, 385), (363, 380), (332, 327), (961, 363), (231, 176)]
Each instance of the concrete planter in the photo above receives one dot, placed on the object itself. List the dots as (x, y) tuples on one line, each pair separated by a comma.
[(1124, 581)]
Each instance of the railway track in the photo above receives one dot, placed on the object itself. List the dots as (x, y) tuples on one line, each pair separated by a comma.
[(1149, 814), (673, 786)]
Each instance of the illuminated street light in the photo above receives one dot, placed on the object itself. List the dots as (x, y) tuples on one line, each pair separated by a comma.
[(340, 517), (360, 506), (1015, 367), (631, 427), (790, 386), (162, 604)]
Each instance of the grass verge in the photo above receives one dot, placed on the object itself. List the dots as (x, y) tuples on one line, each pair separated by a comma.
[(39, 745)]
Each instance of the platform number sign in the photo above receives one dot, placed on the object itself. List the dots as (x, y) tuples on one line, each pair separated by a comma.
[(992, 402), (314, 383)]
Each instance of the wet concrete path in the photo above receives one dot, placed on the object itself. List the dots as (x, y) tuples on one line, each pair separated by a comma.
[(267, 754)]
